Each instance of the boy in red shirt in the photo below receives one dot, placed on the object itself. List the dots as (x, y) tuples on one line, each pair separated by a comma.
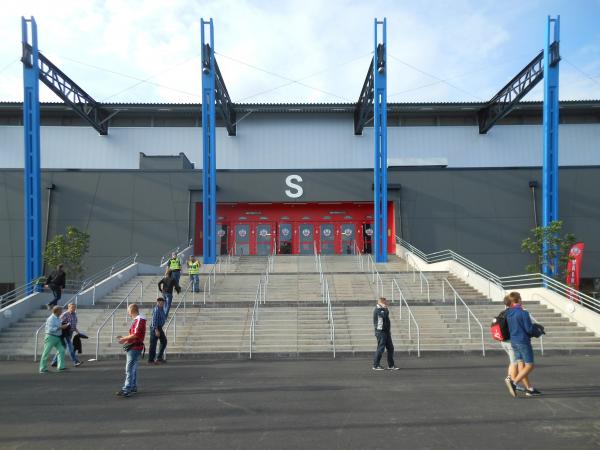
[(135, 340)]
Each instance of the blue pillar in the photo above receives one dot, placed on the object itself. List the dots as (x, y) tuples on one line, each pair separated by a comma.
[(550, 151), (209, 172), (31, 144), (380, 143)]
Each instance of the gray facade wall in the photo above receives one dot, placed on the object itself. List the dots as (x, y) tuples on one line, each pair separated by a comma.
[(308, 141), (480, 213)]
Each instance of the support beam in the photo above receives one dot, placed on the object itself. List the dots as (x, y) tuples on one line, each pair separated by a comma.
[(31, 176), (379, 67), (364, 108), (550, 149), (68, 91), (209, 173), (505, 100), (224, 103)]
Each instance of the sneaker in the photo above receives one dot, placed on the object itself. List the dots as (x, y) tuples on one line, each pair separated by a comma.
[(510, 386), (520, 388), (78, 363), (133, 391), (53, 364), (378, 368), (393, 368), (44, 371), (533, 392), (160, 361), (122, 393), (63, 369)]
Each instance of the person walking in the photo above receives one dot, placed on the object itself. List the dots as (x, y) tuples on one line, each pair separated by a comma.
[(133, 344), (381, 322), (194, 273), (513, 365), (521, 330), (156, 332), (166, 286), (56, 281), (69, 317), (53, 340), (175, 265)]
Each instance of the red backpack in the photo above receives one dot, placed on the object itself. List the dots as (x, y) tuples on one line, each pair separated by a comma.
[(499, 327)]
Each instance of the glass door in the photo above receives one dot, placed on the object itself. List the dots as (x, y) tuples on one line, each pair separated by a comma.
[(327, 239), (285, 239), (242, 239), (263, 239), (306, 238)]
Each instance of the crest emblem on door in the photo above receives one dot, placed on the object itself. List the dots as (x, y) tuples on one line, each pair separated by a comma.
[(327, 232), (347, 232), (263, 233), (285, 231), (369, 232), (221, 233), (242, 232), (306, 232)]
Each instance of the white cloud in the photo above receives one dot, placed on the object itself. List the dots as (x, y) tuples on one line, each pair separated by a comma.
[(476, 45)]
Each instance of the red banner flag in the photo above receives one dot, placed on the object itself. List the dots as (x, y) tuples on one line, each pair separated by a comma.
[(574, 265)]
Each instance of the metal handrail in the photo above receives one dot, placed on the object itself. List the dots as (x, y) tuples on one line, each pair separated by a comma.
[(257, 301), (207, 282), (327, 300), (469, 312), (78, 286), (183, 300), (422, 277), (410, 317), (178, 250), (112, 316)]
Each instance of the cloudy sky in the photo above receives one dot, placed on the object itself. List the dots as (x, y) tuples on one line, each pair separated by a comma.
[(301, 50)]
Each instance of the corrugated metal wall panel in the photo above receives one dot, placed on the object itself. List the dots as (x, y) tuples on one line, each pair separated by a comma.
[(304, 141)]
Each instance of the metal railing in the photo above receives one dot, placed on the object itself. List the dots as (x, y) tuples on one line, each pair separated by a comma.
[(77, 286), (449, 255), (112, 314), (166, 256), (411, 317), (469, 312), (258, 299), (173, 315), (326, 299), (217, 267), (422, 278)]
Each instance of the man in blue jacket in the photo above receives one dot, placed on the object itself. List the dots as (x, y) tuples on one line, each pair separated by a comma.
[(521, 330)]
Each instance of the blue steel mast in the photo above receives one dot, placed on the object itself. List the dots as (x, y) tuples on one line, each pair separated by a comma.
[(209, 185), (380, 144), (31, 127), (550, 149)]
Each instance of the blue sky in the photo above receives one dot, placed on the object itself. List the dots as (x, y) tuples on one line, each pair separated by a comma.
[(302, 51)]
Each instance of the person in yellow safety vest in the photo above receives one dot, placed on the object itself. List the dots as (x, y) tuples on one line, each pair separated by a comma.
[(194, 273), (175, 265)]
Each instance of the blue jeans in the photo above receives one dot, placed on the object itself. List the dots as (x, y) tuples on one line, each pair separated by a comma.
[(131, 367), (57, 292), (523, 352), (153, 341), (195, 280), (176, 274), (69, 342), (168, 300), (384, 342)]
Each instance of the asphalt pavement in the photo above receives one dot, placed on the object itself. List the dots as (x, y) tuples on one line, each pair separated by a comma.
[(431, 403)]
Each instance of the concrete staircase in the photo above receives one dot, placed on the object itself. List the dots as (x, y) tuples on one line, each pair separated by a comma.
[(294, 320)]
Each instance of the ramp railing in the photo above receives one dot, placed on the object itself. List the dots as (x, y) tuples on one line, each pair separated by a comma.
[(469, 312), (410, 316), (326, 299), (173, 315), (258, 299)]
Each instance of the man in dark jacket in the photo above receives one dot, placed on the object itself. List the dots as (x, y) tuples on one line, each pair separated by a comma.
[(166, 286), (381, 322), (56, 281), (521, 330)]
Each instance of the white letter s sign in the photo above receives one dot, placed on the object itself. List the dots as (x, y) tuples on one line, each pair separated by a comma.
[(298, 191)]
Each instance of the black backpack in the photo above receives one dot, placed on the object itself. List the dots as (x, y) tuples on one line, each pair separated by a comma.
[(500, 324)]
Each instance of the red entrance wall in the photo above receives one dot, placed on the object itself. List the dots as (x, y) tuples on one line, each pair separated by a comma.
[(254, 228)]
